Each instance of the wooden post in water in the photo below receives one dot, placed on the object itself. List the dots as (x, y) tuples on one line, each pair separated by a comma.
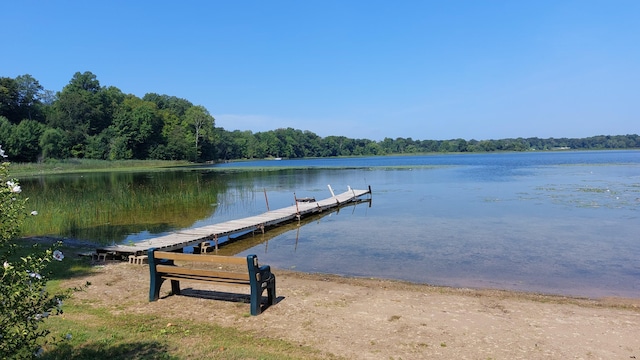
[(295, 199), (266, 198)]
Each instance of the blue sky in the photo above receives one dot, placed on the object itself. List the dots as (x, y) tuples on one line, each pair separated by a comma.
[(361, 69)]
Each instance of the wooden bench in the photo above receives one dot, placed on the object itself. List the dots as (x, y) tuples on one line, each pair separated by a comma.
[(259, 278)]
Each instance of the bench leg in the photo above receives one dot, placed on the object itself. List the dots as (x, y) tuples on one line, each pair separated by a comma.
[(154, 287), (256, 299), (271, 290), (256, 294), (156, 284), (175, 287)]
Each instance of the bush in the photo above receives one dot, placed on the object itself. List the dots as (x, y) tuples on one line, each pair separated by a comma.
[(24, 301)]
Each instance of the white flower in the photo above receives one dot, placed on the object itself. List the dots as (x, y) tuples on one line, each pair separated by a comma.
[(34, 213), (58, 255), (44, 315), (14, 187), (5, 265), (68, 337), (2, 155), (35, 275)]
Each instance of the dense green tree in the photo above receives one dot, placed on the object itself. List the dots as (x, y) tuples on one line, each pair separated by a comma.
[(110, 99), (172, 104), (54, 144), (79, 110), (9, 104), (238, 145), (29, 94), (178, 146), (269, 145), (99, 146), (202, 124), (25, 141), (6, 133), (137, 127)]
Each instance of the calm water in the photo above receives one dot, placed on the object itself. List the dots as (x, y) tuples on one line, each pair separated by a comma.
[(555, 222)]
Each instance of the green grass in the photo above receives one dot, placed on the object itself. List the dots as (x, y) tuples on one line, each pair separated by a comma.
[(87, 165), (96, 333), (89, 331), (117, 208), (109, 206)]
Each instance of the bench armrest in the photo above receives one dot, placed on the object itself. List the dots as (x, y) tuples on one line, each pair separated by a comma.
[(265, 272)]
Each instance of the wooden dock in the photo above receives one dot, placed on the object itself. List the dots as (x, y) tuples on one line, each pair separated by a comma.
[(212, 233)]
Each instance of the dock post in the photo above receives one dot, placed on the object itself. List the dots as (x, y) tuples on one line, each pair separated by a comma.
[(295, 199), (266, 198), (331, 190)]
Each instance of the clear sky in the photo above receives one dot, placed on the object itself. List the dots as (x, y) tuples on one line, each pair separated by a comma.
[(476, 69)]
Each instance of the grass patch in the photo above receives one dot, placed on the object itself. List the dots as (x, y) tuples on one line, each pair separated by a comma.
[(96, 333), (109, 206), (89, 165)]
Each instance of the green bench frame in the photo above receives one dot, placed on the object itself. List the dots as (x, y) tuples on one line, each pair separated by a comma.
[(259, 278)]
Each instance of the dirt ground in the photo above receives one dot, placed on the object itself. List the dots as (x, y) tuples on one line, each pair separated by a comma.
[(379, 319)]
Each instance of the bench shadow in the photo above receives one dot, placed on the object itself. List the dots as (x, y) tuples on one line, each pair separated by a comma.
[(225, 296)]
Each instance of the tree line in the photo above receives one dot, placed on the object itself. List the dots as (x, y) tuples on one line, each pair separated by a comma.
[(87, 120)]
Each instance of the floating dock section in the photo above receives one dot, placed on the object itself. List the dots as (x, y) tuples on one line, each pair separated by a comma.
[(209, 235)]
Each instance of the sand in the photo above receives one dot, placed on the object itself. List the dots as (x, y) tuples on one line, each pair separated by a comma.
[(379, 319)]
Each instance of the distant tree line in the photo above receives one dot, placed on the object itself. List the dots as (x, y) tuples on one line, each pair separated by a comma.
[(87, 120)]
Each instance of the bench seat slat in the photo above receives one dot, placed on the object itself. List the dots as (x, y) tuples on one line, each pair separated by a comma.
[(218, 259), (205, 279)]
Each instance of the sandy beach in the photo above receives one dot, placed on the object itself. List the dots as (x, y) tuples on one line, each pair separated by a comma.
[(359, 318)]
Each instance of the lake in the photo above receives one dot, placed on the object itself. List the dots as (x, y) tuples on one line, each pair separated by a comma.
[(553, 222)]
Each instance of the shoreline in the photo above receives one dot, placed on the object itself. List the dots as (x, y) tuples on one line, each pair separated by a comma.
[(606, 301), (393, 284)]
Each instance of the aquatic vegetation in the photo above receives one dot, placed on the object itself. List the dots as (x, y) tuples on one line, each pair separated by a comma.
[(111, 206)]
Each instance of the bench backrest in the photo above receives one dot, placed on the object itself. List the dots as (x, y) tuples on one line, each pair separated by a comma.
[(250, 272), (217, 259)]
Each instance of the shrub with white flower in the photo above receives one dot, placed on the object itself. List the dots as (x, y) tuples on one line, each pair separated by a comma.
[(15, 188), (58, 255), (24, 300)]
